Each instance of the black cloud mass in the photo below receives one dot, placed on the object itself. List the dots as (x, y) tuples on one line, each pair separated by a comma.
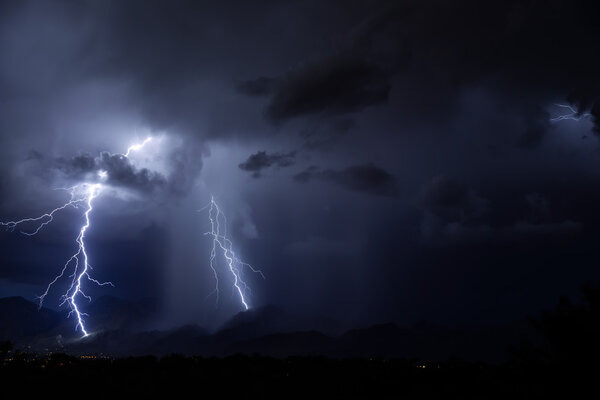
[(367, 178), (256, 162), (119, 171), (331, 86)]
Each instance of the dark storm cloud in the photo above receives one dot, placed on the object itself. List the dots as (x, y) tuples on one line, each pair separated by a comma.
[(170, 62), (79, 165), (538, 50), (455, 213), (452, 201), (325, 134), (543, 52), (332, 86), (119, 169), (424, 86), (366, 178), (452, 210), (356, 75), (261, 160)]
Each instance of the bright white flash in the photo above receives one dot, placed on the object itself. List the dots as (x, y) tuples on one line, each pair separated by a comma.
[(222, 244), (82, 195), (570, 114), (138, 146)]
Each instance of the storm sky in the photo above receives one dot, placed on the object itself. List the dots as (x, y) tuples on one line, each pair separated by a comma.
[(377, 160)]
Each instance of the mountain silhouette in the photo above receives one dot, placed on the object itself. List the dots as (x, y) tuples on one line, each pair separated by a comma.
[(269, 331), (20, 318), (110, 313), (269, 320)]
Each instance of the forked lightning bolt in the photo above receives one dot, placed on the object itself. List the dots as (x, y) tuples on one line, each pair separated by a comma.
[(572, 114), (82, 195), (222, 244), (81, 265), (136, 147), (44, 219)]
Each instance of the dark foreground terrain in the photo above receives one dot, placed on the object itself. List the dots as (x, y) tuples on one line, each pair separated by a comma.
[(562, 363), (301, 377)]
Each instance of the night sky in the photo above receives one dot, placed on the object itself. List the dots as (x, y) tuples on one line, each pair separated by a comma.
[(377, 160)]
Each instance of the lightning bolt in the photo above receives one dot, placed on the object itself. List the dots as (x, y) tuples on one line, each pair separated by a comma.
[(572, 114), (81, 265), (82, 195), (44, 219), (223, 245), (138, 146)]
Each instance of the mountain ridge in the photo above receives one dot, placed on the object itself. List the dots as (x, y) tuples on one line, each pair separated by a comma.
[(268, 331)]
